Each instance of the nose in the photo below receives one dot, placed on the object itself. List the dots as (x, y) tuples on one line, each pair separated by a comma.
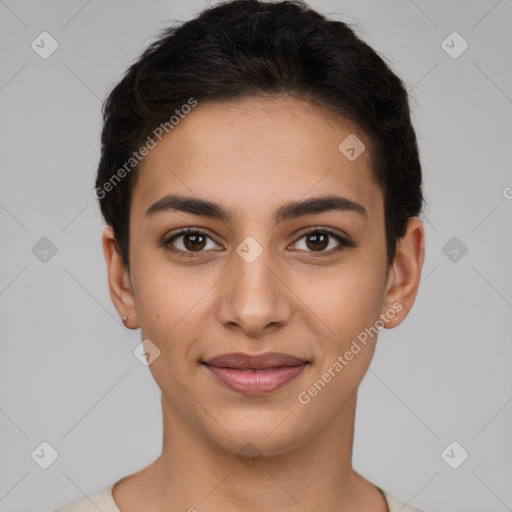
[(254, 297)]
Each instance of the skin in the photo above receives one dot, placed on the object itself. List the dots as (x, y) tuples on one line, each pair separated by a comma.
[(252, 156)]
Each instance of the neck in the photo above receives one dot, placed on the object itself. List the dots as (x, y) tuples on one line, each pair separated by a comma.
[(194, 473)]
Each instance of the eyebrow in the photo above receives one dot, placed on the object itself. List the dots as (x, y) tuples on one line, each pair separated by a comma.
[(288, 211)]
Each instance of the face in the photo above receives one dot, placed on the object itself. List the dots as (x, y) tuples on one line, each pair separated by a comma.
[(274, 276)]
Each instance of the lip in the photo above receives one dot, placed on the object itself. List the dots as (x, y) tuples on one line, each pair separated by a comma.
[(242, 361), (255, 374)]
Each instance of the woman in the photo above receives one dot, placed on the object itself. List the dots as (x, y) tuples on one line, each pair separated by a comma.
[(261, 186)]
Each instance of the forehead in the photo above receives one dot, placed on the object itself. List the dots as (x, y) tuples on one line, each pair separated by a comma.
[(255, 152)]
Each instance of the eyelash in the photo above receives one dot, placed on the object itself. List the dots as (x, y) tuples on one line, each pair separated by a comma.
[(343, 242)]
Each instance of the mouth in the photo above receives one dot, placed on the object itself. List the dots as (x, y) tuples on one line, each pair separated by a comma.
[(255, 374)]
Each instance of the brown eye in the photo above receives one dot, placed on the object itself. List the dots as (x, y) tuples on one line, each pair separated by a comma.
[(194, 241), (317, 241), (189, 242)]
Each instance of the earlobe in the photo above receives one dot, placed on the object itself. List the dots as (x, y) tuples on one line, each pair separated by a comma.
[(119, 283), (404, 277)]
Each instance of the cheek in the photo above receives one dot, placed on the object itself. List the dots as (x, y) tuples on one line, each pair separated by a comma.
[(168, 294), (343, 302), (345, 311)]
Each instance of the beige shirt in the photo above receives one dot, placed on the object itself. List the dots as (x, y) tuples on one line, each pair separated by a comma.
[(104, 501)]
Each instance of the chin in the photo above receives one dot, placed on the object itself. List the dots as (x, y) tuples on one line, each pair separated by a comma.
[(252, 438)]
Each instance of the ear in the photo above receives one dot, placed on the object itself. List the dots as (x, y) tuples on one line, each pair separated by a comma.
[(119, 283), (404, 276)]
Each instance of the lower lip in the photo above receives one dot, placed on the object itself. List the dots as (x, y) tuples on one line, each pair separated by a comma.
[(256, 382)]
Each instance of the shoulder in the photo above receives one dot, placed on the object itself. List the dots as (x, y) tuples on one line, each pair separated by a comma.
[(395, 505), (102, 500)]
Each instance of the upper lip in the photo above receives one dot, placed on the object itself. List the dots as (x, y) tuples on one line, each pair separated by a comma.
[(242, 361)]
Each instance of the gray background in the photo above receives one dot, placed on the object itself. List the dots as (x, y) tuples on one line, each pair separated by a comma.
[(68, 375)]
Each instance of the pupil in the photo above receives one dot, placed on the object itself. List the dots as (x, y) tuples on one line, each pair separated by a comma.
[(193, 245), (323, 243)]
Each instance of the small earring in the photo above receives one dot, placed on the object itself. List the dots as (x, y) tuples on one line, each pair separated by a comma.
[(125, 318)]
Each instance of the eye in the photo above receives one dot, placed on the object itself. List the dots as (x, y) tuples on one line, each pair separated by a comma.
[(318, 240), (193, 241)]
